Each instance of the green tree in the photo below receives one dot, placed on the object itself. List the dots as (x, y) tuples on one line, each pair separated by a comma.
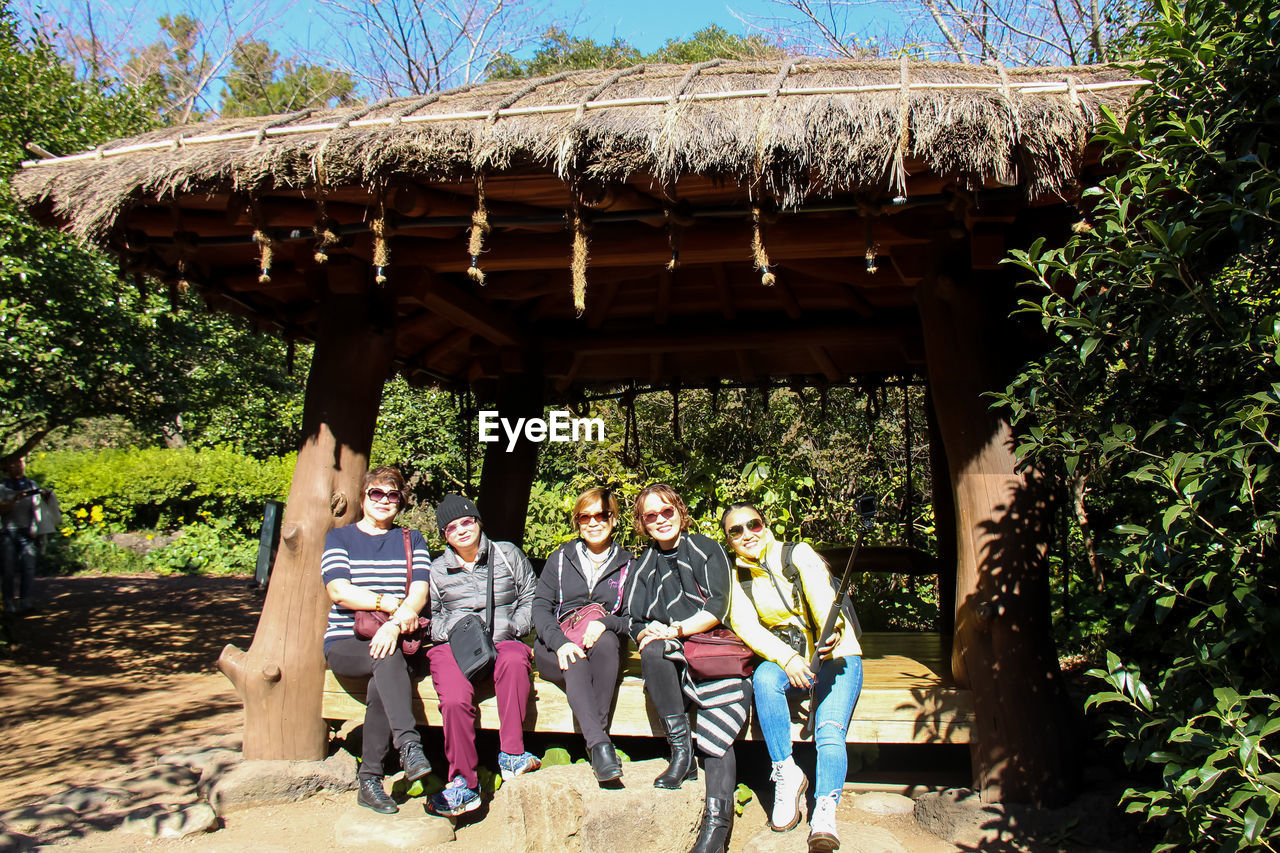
[(1162, 397), (259, 83)]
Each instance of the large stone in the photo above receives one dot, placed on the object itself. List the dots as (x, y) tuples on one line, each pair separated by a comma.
[(883, 803), (90, 799), (161, 780), (360, 829), (564, 810), (15, 842), (958, 815), (854, 838), (170, 821), (260, 782), (39, 817), (207, 762)]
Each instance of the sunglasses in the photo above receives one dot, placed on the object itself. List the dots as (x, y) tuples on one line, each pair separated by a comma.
[(585, 518), (652, 517), (379, 495), (755, 525), (461, 524)]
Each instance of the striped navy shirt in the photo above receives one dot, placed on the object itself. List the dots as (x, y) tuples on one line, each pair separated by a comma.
[(375, 563)]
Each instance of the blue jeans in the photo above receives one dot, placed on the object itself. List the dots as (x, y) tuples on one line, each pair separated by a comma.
[(839, 685), (18, 564)]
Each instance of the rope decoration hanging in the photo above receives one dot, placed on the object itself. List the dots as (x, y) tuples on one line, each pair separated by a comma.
[(480, 228), (185, 242), (898, 175), (759, 254), (266, 243), (381, 229), (324, 229), (869, 211), (581, 229), (679, 217)]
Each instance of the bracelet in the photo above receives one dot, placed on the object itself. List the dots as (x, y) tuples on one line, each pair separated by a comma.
[(377, 602)]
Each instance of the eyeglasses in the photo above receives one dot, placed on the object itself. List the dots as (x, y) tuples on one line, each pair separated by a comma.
[(585, 518), (665, 514), (461, 524), (379, 495), (755, 525)]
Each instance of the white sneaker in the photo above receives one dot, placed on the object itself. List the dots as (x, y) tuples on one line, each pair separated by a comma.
[(789, 784), (822, 826)]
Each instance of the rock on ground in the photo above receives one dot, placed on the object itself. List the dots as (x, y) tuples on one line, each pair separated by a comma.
[(358, 828), (958, 815), (883, 803), (170, 821), (564, 810), (258, 782)]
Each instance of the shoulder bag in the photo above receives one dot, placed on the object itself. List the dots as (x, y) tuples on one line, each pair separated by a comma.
[(574, 625), (718, 653), (471, 638), (369, 621)]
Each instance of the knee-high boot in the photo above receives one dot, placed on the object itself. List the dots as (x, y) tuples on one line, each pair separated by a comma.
[(717, 821), (683, 766)]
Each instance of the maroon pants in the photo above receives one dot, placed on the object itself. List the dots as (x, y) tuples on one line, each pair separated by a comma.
[(512, 682)]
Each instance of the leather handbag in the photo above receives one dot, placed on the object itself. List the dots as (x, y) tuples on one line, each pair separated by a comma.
[(575, 624), (368, 622), (471, 638), (718, 653)]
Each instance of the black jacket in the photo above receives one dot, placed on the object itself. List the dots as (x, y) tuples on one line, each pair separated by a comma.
[(666, 593), (562, 588)]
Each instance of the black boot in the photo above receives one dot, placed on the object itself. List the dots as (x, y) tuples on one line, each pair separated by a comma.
[(415, 763), (717, 821), (371, 795), (683, 767), (604, 760)]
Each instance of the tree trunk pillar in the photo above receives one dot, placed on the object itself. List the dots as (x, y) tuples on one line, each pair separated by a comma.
[(944, 521), (507, 477), (281, 675), (1025, 727)]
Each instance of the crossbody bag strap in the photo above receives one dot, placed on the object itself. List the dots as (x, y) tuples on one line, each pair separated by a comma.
[(797, 585), (408, 561), (560, 585), (488, 606)]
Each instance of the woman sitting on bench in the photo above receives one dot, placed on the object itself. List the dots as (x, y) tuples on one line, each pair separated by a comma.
[(681, 587), (781, 597), (364, 567), (582, 589)]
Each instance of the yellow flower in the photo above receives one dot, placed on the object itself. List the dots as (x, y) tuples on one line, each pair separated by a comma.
[(95, 514), (80, 513)]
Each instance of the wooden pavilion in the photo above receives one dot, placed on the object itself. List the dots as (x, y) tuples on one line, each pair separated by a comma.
[(536, 240)]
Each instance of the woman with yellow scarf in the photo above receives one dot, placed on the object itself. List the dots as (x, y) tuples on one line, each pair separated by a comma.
[(780, 597)]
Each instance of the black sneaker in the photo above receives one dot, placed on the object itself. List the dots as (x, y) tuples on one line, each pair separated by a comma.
[(371, 795), (413, 761)]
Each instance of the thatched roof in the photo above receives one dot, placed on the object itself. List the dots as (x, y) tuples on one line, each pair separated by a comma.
[(647, 224), (786, 129)]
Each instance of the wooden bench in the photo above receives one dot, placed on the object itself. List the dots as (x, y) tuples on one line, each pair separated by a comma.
[(907, 697)]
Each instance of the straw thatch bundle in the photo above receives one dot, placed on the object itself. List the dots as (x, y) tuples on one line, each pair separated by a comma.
[(786, 130)]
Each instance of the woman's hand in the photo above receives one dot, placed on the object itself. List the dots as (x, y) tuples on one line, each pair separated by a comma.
[(384, 640), (568, 653), (405, 618), (594, 629), (655, 631), (798, 672), (824, 650)]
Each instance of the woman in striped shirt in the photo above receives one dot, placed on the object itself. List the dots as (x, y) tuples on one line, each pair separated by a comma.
[(680, 587), (364, 568)]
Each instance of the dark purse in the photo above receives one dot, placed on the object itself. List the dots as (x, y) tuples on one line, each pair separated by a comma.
[(718, 653), (574, 625), (471, 638), (368, 622)]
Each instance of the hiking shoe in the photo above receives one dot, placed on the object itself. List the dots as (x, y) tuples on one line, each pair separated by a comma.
[(414, 762), (822, 826), (789, 784), (455, 799), (514, 765), (371, 795)]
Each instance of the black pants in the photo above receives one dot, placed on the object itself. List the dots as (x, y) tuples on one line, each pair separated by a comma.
[(662, 683), (590, 684), (388, 715)]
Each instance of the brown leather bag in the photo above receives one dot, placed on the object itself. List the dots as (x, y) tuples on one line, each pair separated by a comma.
[(369, 621)]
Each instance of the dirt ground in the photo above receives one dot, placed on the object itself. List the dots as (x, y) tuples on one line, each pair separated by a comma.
[(116, 670)]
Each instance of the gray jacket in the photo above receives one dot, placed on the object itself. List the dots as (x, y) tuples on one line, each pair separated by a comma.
[(456, 591)]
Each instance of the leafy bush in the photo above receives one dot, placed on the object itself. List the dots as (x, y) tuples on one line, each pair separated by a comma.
[(163, 487), (1162, 399)]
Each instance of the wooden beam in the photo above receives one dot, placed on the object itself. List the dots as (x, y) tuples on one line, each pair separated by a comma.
[(825, 364), (721, 279), (598, 309), (444, 346), (662, 310), (655, 368), (638, 341), (745, 370), (467, 311), (787, 298), (620, 244)]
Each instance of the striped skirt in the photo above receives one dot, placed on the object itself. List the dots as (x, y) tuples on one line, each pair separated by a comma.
[(722, 703)]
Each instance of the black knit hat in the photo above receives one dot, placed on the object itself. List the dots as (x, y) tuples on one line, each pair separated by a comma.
[(452, 508)]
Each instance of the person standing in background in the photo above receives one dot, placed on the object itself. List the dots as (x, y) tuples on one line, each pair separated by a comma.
[(21, 504)]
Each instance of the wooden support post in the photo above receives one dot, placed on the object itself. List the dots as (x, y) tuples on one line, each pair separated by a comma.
[(944, 521), (1004, 651), (280, 677), (507, 477)]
